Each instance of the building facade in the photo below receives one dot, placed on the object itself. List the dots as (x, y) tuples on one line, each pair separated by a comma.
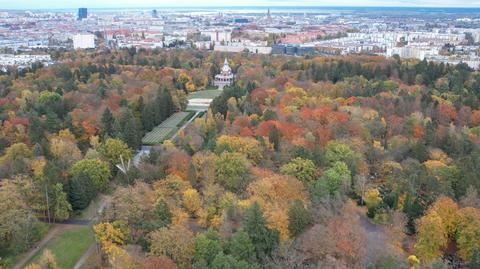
[(83, 41)]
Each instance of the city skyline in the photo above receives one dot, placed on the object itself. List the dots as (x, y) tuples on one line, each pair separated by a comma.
[(56, 4)]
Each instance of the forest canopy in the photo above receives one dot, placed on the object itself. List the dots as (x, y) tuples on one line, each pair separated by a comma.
[(325, 162)]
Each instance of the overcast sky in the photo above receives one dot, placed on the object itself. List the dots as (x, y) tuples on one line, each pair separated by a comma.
[(35, 4)]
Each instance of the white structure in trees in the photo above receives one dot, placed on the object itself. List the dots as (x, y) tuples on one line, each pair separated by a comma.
[(83, 41), (225, 78)]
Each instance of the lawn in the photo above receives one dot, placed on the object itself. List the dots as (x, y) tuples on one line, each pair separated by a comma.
[(206, 94), (68, 246), (166, 129)]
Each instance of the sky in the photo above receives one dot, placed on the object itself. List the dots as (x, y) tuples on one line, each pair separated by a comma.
[(60, 4)]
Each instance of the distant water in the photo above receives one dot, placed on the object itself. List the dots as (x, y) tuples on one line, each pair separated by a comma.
[(287, 9)]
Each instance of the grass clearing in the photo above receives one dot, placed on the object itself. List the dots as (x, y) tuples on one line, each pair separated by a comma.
[(166, 129), (205, 94), (68, 246)]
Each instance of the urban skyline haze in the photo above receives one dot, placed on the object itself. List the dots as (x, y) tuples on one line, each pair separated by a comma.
[(58, 4)]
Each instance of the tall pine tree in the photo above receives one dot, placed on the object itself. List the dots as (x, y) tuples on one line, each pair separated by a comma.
[(263, 238), (107, 122)]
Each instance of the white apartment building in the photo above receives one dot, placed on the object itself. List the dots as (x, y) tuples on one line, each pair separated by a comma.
[(417, 52), (83, 41), (218, 36)]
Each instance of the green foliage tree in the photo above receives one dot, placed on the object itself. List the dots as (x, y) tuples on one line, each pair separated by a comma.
[(263, 238), (241, 247), (299, 218), (112, 149), (274, 138), (223, 261), (61, 208), (97, 170), (107, 123), (303, 169), (207, 246), (336, 151), (81, 190), (337, 178), (128, 129), (163, 213), (231, 170)]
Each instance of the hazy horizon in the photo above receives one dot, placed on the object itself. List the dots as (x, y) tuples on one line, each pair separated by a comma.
[(57, 4)]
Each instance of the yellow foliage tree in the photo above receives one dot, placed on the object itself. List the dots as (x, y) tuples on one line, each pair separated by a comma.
[(275, 193), (37, 167), (468, 232), (47, 260), (246, 145), (108, 234), (372, 198), (33, 266), (432, 237), (64, 148), (175, 242), (119, 258), (447, 210), (191, 201)]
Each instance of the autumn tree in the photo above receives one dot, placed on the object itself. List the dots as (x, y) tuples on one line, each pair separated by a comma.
[(64, 148), (432, 237), (191, 201), (244, 145), (447, 210), (337, 243), (114, 149), (18, 224), (372, 200), (468, 233), (175, 242)]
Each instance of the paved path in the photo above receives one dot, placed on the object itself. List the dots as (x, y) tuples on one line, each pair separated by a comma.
[(85, 256)]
